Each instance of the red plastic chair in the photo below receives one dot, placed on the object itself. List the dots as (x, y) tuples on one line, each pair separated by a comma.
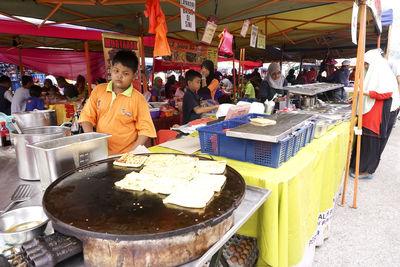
[(164, 136)]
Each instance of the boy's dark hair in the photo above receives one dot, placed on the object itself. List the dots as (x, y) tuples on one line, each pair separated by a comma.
[(5, 79), (26, 79), (35, 91), (191, 74), (248, 77), (126, 58)]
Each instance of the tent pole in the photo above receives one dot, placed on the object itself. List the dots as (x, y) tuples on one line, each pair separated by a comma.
[(378, 45), (240, 72), (357, 98), (234, 77), (243, 59), (301, 64), (152, 74), (21, 66), (89, 74), (363, 26), (141, 50), (388, 42)]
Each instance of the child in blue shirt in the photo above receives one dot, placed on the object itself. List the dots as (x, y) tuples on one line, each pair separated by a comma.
[(34, 101)]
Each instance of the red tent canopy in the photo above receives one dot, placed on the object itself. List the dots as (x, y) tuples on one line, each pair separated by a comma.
[(56, 62)]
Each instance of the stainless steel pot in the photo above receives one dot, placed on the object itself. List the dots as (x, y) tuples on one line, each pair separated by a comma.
[(17, 219), (36, 118), (27, 168)]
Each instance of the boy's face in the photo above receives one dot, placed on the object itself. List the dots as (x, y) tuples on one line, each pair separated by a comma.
[(194, 84), (122, 76)]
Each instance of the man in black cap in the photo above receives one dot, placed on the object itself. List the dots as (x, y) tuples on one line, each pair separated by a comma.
[(341, 76)]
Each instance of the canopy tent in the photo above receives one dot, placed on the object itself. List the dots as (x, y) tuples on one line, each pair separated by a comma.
[(56, 62), (294, 26)]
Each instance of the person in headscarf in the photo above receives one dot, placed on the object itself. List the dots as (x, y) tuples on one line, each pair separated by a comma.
[(209, 83), (291, 78), (380, 97), (156, 90), (273, 83)]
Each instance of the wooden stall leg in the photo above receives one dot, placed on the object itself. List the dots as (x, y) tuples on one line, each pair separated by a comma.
[(357, 97)]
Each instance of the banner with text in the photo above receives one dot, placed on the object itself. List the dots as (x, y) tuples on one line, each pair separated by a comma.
[(190, 54), (112, 43)]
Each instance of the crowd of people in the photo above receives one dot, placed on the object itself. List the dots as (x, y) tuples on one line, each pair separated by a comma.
[(202, 92), (31, 96)]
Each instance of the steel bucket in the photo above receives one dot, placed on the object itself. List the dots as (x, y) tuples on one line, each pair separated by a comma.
[(36, 118), (27, 168)]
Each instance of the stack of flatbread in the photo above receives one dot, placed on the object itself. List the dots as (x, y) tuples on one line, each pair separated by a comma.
[(262, 122), (188, 181)]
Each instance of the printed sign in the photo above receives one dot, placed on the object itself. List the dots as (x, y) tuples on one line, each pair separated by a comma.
[(112, 43), (354, 19), (261, 41), (245, 28), (253, 37), (190, 53), (209, 31), (188, 20)]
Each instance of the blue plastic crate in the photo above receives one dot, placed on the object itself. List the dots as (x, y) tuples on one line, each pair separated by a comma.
[(215, 142), (267, 153), (250, 100), (310, 135), (299, 139), (290, 147)]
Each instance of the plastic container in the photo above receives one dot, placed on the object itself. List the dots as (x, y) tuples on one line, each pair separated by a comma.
[(300, 138), (213, 140), (267, 153), (155, 113)]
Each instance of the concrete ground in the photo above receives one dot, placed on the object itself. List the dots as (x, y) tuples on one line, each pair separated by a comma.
[(370, 234)]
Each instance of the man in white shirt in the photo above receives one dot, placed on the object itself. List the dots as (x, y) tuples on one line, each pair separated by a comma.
[(18, 103)]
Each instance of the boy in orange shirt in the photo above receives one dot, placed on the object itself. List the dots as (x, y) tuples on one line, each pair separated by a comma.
[(117, 109)]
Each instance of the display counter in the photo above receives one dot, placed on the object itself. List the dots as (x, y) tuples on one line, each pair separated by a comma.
[(297, 215)]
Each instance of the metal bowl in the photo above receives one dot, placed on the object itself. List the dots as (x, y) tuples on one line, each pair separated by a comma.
[(20, 217)]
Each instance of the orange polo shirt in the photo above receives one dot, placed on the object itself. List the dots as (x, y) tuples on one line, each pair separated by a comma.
[(124, 116)]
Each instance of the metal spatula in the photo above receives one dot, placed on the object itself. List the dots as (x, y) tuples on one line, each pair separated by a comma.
[(22, 193)]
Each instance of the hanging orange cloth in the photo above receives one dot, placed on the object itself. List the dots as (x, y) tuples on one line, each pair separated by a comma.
[(157, 26)]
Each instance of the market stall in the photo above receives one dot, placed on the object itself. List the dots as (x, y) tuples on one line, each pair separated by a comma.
[(304, 188), (297, 217)]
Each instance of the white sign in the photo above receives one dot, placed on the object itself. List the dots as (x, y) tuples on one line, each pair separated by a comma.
[(245, 28), (188, 20), (253, 38), (354, 19), (261, 41), (209, 31)]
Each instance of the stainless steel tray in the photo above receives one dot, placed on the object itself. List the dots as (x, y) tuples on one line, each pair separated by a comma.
[(57, 156), (286, 123), (312, 88)]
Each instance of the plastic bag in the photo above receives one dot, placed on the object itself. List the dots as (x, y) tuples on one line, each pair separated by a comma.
[(8, 120), (225, 43)]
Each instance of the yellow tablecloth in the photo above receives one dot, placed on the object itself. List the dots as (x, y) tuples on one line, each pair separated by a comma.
[(301, 189), (65, 112)]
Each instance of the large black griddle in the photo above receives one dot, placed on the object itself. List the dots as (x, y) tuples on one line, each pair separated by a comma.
[(85, 202)]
